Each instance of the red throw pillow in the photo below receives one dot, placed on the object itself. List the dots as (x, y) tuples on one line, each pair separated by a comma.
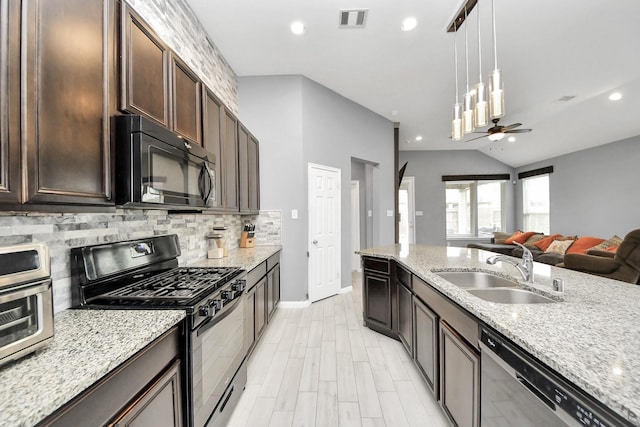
[(544, 244), (612, 249), (581, 245), (519, 237)]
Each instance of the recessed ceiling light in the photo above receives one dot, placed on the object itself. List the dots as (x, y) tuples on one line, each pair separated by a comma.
[(418, 138), (409, 24), (615, 96), (512, 139), (298, 28)]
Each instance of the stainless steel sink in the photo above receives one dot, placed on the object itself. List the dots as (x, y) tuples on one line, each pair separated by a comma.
[(509, 296), (476, 279)]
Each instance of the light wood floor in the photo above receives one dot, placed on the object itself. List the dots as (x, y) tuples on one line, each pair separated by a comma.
[(319, 366)]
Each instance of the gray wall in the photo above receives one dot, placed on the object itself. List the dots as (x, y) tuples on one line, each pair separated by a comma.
[(593, 192), (428, 167), (358, 174), (298, 122)]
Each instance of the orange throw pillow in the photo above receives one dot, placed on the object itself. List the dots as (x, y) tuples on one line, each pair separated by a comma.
[(581, 245), (544, 244), (519, 237), (612, 249)]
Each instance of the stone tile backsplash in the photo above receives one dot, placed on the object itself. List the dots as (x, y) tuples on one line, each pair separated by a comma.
[(61, 232)]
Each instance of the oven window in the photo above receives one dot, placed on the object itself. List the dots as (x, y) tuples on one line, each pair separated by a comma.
[(18, 319)]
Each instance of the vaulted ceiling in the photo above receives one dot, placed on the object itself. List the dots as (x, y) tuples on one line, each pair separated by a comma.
[(547, 50)]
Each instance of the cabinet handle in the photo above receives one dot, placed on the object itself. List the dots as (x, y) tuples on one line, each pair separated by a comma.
[(187, 146)]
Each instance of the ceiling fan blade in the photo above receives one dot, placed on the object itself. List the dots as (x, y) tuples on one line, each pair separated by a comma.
[(518, 131), (513, 126), (477, 137)]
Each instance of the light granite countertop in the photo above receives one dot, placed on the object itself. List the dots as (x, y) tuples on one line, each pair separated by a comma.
[(87, 345), (591, 337), (246, 258)]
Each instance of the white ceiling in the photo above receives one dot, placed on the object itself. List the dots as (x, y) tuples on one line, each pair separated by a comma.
[(547, 49)]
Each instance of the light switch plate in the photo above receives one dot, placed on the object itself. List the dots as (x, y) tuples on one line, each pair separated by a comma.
[(419, 213), (294, 213), (389, 213), (369, 213)]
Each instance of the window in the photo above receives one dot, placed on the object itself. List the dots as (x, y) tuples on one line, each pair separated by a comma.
[(535, 206), (474, 208)]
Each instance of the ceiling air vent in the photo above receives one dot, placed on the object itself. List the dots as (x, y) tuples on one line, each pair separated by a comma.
[(354, 18)]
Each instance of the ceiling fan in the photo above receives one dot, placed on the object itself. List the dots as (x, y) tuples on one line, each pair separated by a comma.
[(497, 132)]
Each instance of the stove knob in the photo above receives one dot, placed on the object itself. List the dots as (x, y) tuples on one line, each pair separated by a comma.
[(239, 285), (227, 295), (217, 304), (207, 311)]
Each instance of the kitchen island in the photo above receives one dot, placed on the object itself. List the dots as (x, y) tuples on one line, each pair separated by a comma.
[(590, 336)]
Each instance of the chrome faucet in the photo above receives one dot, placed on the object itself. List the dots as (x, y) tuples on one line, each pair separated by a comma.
[(526, 268)]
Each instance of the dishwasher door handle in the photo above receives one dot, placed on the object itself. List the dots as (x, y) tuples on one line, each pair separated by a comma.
[(537, 393)]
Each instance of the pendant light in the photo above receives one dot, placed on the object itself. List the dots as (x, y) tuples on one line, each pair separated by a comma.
[(496, 89), (469, 97), (456, 124), (482, 108)]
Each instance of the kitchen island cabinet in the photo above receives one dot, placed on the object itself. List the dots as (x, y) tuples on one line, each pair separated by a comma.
[(583, 317)]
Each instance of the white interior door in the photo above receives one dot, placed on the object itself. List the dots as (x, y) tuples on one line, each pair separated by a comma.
[(324, 231), (355, 225), (406, 206)]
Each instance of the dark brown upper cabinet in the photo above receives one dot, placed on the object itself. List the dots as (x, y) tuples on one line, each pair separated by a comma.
[(229, 163), (186, 101), (10, 184), (67, 95), (248, 173), (212, 135), (144, 70)]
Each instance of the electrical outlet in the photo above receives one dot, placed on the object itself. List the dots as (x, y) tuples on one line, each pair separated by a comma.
[(389, 213), (419, 213)]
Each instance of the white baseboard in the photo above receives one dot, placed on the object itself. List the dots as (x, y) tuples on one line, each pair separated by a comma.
[(294, 304), (345, 290)]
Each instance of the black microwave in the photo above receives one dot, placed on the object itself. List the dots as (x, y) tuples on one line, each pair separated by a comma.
[(155, 168)]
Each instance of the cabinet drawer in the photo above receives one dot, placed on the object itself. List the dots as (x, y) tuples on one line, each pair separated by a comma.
[(377, 264), (256, 274), (273, 261), (463, 323), (403, 276)]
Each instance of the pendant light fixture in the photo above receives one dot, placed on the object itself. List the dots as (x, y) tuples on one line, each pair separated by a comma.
[(496, 89), (482, 108), (456, 124), (469, 97)]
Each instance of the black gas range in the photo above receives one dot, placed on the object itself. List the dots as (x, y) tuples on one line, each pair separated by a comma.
[(144, 274)]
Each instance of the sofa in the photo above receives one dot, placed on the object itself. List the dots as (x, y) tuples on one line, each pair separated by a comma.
[(547, 249)]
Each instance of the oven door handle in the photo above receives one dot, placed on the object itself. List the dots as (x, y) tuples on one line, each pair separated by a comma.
[(220, 316)]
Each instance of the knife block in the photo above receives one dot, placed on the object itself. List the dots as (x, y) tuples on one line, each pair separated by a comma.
[(247, 240)]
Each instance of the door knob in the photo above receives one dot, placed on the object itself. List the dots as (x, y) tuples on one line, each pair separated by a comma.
[(315, 242)]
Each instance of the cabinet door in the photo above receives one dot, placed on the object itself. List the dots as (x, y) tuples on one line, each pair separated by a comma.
[(250, 319), (10, 101), (67, 79), (405, 318), (212, 116), (243, 168), (253, 157), (273, 290), (186, 101), (145, 70), (260, 307), (230, 162), (426, 343), (460, 378), (158, 406), (377, 300)]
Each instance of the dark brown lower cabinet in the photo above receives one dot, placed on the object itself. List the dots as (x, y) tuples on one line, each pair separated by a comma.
[(159, 406), (143, 391), (405, 317), (459, 378), (260, 307), (377, 301), (426, 343)]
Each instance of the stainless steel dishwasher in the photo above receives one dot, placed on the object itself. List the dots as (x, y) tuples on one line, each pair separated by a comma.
[(518, 391)]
